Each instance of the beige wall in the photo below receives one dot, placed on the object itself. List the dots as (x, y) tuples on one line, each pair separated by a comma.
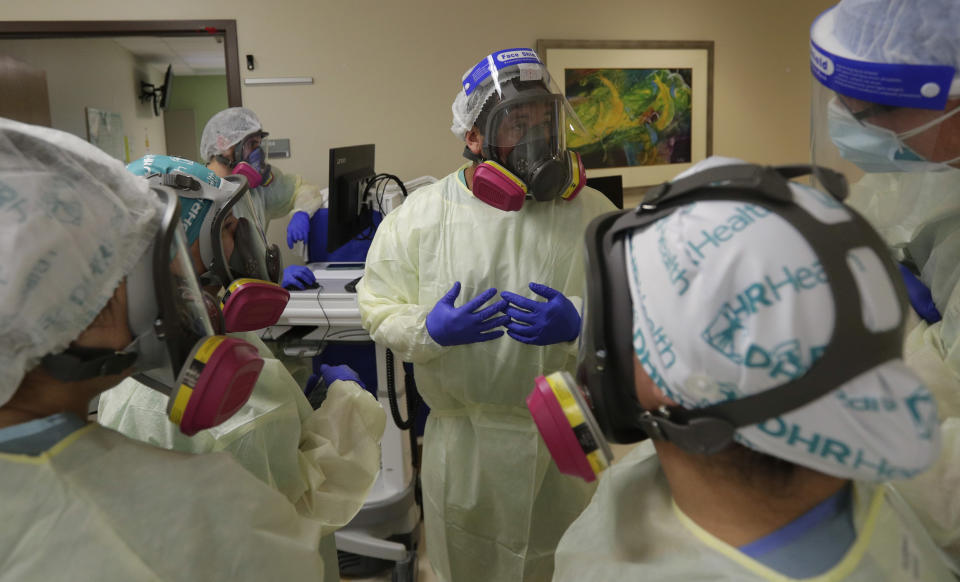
[(94, 73), (386, 72)]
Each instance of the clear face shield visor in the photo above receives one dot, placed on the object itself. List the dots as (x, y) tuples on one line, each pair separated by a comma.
[(179, 289), (531, 122), (239, 244), (207, 377), (524, 147), (525, 130), (248, 268)]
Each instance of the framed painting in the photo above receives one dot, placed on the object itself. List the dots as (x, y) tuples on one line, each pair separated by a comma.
[(646, 106)]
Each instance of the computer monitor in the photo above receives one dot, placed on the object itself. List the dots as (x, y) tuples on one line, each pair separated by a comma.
[(609, 186), (350, 213), (159, 95), (166, 88)]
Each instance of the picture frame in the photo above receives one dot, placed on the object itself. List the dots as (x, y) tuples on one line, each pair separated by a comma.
[(647, 105)]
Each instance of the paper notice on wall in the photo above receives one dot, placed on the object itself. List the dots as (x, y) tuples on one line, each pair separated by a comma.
[(105, 130)]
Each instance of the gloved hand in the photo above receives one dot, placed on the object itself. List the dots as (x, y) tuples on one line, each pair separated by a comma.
[(454, 326), (920, 297), (344, 372), (298, 277), (298, 229), (541, 323), (253, 177)]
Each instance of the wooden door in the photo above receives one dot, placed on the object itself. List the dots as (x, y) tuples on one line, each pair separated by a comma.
[(180, 126), (23, 92)]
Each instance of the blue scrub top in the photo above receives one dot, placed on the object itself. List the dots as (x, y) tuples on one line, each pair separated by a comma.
[(811, 544), (38, 436)]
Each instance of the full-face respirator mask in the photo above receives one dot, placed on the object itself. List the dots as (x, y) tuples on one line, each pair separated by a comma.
[(578, 416), (250, 160), (177, 347), (220, 216), (524, 150)]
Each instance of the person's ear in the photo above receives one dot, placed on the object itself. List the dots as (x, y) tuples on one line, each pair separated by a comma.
[(197, 258), (474, 141), (648, 393)]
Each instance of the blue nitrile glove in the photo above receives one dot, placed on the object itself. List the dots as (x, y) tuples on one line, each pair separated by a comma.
[(297, 277), (541, 323), (920, 297), (298, 229), (454, 326), (343, 372)]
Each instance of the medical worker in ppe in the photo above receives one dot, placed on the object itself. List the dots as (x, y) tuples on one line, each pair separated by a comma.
[(108, 290), (232, 143), (899, 141), (324, 461), (778, 404), (508, 222)]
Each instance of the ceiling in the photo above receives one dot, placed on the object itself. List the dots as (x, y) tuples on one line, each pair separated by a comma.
[(189, 55)]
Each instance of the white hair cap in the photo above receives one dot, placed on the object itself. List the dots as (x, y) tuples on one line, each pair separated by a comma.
[(226, 129), (74, 223), (485, 78), (901, 31), (756, 315)]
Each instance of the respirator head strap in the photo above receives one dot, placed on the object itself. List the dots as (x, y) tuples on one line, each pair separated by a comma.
[(475, 158), (225, 161), (77, 364), (852, 350)]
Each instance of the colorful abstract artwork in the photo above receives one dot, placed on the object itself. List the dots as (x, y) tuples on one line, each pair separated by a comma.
[(645, 106), (632, 117)]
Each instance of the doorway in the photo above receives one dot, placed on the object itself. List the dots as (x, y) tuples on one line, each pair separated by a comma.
[(129, 87)]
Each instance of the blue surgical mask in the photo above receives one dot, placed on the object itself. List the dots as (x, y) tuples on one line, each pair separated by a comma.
[(878, 150)]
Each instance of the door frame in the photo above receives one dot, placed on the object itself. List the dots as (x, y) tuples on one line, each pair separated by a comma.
[(109, 28)]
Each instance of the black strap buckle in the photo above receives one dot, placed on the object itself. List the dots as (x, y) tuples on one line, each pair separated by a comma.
[(181, 182)]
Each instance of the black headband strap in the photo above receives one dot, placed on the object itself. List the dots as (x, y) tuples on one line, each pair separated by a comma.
[(852, 349), (76, 364)]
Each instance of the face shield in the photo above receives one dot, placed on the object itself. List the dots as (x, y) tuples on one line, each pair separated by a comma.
[(219, 217), (896, 120), (207, 377), (526, 133), (238, 242), (244, 264), (524, 121)]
